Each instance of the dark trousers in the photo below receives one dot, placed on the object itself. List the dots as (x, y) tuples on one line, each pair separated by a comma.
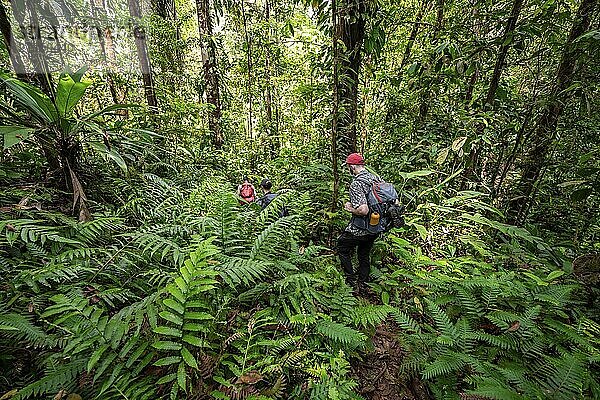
[(346, 244)]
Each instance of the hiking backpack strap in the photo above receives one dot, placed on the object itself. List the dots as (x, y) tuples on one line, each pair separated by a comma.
[(362, 221)]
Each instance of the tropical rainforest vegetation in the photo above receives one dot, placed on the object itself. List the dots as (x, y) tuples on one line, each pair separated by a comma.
[(130, 270)]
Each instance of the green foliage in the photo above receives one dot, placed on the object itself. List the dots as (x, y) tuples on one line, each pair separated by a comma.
[(187, 309), (199, 329), (164, 286), (495, 333)]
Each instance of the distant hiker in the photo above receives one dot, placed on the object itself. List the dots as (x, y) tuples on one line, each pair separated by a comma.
[(268, 197), (370, 200), (246, 191)]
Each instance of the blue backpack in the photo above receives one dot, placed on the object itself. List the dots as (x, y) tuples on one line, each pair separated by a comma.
[(267, 199), (384, 213)]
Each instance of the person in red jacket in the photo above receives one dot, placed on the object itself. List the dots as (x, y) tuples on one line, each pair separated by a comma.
[(246, 191)]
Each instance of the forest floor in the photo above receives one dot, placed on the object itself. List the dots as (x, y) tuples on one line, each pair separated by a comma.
[(378, 373)]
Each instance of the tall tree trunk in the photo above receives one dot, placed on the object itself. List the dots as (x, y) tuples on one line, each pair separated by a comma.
[(44, 73), (142, 53), (351, 26), (411, 38), (271, 133), (104, 37), (509, 30), (475, 17), (497, 186), (209, 64), (439, 19), (11, 45), (165, 9), (437, 29), (473, 170), (178, 54), (171, 60), (59, 48), (249, 67), (545, 131), (336, 36), (471, 85), (36, 52), (108, 39)]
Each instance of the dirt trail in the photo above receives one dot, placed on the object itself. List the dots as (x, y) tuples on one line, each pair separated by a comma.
[(378, 374)]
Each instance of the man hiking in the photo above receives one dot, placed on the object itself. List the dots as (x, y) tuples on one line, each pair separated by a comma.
[(266, 187), (268, 197), (246, 191), (353, 236)]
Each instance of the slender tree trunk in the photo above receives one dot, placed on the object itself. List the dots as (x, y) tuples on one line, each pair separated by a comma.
[(209, 64), (178, 55), (271, 133), (108, 39), (336, 36), (97, 8), (165, 9), (171, 62), (59, 48), (111, 58), (142, 53), (11, 45), (362, 138), (509, 30), (249, 67), (50, 143), (33, 42), (439, 19), (411, 39), (497, 186), (471, 85), (476, 32), (45, 76), (545, 131), (473, 170), (437, 29), (351, 26)]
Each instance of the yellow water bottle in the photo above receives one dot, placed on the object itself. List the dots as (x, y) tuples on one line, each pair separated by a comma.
[(374, 220)]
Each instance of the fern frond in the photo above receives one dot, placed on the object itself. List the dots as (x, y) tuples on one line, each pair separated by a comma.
[(341, 333), (469, 304), (406, 322), (443, 365), (238, 272), (158, 246), (20, 327), (372, 315), (493, 389), (563, 378), (505, 342), (341, 303), (275, 208), (442, 321), (556, 295), (55, 379), (570, 335), (274, 241), (294, 358)]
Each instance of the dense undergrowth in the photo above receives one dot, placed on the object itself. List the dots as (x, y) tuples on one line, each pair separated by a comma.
[(177, 291), (129, 269)]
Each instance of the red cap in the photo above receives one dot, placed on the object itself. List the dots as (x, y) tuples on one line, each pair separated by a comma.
[(355, 159)]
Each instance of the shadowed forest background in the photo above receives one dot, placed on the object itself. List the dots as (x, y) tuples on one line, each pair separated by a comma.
[(130, 270)]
